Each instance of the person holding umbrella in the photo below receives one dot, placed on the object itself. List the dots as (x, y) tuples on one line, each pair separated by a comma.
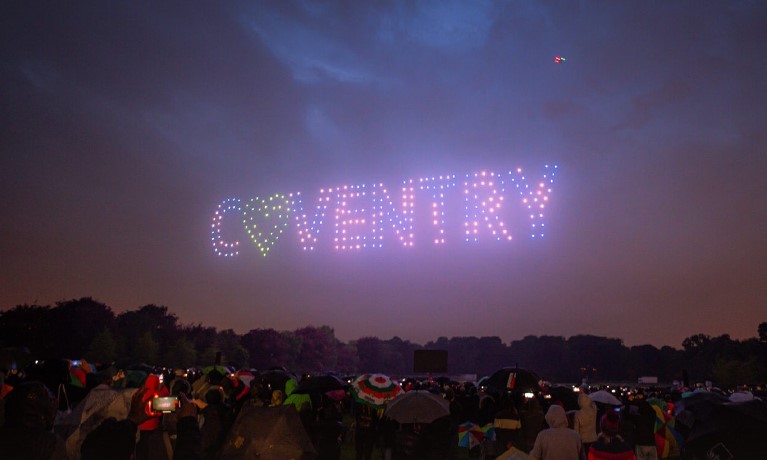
[(371, 392)]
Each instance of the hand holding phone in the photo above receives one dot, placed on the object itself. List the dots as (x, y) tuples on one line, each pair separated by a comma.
[(165, 404)]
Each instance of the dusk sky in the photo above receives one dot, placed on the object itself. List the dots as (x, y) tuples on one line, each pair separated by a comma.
[(124, 125)]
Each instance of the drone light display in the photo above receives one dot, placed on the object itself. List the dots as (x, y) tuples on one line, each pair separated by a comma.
[(371, 216)]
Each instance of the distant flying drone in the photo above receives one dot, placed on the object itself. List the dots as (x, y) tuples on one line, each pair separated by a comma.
[(559, 60)]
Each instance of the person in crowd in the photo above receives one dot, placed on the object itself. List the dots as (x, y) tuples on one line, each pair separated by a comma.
[(365, 431), (151, 440), (278, 397), (533, 420), (585, 421), (116, 440), (642, 415), (558, 442), (508, 427), (178, 386), (388, 429), (487, 410), (513, 451), (4, 390), (217, 419), (30, 410), (610, 445), (328, 430)]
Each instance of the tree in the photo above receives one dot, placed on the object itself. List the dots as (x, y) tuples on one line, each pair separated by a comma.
[(269, 348), (103, 348), (76, 322), (150, 318), (181, 354), (146, 349), (696, 341), (369, 352), (317, 350), (30, 326), (229, 344), (762, 330)]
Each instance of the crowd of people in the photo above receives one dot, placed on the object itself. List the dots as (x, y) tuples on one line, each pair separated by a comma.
[(64, 409)]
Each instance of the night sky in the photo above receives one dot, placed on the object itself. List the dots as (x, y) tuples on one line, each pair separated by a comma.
[(125, 124)]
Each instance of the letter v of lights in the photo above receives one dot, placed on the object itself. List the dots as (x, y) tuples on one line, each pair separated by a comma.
[(365, 216)]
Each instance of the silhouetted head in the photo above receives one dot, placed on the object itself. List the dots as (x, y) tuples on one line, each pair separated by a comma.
[(30, 406), (112, 439)]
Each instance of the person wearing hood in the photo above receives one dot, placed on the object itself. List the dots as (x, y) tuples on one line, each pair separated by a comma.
[(558, 442), (610, 445), (585, 421)]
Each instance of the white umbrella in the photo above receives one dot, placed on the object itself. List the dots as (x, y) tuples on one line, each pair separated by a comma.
[(605, 397)]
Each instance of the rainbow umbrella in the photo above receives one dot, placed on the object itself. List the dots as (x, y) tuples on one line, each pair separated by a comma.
[(470, 435), (489, 431), (668, 441), (374, 389)]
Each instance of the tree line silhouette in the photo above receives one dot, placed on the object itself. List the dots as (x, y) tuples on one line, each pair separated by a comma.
[(86, 328)]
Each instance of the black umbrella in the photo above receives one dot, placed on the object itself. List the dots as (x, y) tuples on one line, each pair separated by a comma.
[(275, 379), (566, 395), (513, 379), (320, 384), (727, 430)]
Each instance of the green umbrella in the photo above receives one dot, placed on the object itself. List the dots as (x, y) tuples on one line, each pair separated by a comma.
[(298, 400)]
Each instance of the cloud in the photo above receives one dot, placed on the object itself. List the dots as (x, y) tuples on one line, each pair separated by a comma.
[(648, 106)]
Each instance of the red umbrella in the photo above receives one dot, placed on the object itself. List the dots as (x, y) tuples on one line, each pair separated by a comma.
[(374, 389)]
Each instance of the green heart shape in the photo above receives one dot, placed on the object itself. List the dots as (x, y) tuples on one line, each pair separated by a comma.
[(265, 219)]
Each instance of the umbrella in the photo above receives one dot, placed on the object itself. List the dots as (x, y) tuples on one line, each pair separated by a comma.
[(218, 368), (267, 433), (471, 435), (275, 379), (320, 384), (298, 400), (605, 397), (696, 403), (101, 403), (731, 430), (513, 379), (566, 396), (741, 396), (336, 395), (417, 407), (668, 440), (374, 389)]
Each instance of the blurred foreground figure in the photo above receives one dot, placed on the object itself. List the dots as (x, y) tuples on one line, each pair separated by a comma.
[(30, 409)]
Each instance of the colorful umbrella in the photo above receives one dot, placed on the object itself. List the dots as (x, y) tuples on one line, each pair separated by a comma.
[(471, 435), (374, 389), (668, 440)]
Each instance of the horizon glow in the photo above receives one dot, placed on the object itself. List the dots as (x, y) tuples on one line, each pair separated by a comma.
[(366, 216)]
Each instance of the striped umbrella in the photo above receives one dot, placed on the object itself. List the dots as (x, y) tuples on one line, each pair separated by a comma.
[(668, 440), (374, 389)]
